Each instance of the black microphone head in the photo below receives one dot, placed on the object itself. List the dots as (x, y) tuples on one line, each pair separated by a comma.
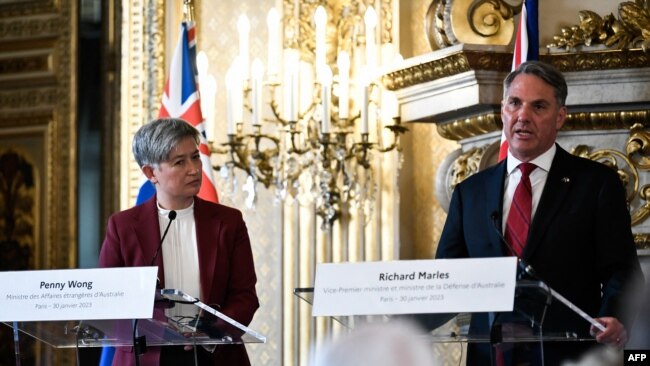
[(171, 215)]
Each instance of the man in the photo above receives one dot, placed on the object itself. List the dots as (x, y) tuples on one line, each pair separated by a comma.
[(206, 252), (576, 234)]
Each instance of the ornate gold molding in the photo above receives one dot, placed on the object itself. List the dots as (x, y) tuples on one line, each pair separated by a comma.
[(38, 115), (386, 17), (467, 164), (598, 60), (489, 122), (630, 30), (638, 146), (18, 8), (450, 22), (23, 28), (628, 172), (642, 241), (154, 40), (453, 64), (467, 60), (21, 99), (469, 127)]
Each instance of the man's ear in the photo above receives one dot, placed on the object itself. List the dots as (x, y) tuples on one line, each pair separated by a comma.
[(561, 118), (148, 172)]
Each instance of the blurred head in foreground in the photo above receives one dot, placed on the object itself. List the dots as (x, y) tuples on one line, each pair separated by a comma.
[(379, 344)]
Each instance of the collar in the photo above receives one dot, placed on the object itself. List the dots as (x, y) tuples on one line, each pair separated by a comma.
[(543, 161), (180, 213)]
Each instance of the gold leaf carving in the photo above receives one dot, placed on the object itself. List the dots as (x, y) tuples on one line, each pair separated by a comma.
[(467, 164), (450, 22), (638, 146), (630, 30), (627, 172)]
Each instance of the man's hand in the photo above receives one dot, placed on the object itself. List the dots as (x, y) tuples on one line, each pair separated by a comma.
[(614, 334)]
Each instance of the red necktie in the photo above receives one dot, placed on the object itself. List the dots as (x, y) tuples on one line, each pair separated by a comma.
[(518, 220)]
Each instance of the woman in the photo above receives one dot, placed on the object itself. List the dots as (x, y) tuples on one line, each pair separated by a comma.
[(205, 253)]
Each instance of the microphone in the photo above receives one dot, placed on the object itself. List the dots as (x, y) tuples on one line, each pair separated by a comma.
[(171, 215), (527, 268)]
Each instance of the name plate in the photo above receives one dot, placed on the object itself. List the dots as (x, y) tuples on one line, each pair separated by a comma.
[(78, 294), (415, 286)]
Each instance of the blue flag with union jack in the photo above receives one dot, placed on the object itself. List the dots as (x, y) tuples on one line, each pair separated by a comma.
[(181, 99)]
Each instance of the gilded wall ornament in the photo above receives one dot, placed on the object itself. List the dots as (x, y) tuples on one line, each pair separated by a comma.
[(450, 22), (629, 175), (591, 121), (638, 146), (467, 164), (630, 30), (342, 32)]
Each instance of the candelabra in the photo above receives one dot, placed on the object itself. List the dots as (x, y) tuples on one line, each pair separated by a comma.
[(299, 143)]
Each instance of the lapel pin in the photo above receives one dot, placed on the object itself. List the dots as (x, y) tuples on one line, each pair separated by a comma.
[(566, 180)]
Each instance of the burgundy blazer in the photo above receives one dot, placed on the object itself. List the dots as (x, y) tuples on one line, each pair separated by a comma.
[(226, 265)]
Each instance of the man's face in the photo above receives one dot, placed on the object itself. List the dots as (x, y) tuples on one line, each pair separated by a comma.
[(531, 117), (177, 179)]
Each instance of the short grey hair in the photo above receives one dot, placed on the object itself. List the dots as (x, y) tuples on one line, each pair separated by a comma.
[(155, 140), (544, 71)]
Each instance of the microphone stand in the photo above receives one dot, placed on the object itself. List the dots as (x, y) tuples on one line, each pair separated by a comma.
[(140, 342), (528, 269), (551, 293)]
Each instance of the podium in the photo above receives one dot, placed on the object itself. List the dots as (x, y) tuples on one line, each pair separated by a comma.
[(207, 328), (540, 315)]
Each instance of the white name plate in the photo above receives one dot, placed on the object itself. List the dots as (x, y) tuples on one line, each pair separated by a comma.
[(78, 294), (415, 286)]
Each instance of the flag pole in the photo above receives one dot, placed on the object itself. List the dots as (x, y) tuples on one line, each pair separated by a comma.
[(188, 11)]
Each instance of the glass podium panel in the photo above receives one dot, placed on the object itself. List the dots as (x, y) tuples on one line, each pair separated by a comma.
[(207, 327), (537, 316)]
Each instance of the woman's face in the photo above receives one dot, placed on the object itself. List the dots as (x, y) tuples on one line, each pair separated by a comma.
[(178, 179)]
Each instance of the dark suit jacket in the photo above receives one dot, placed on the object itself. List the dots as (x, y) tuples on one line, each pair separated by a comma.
[(580, 239), (225, 264)]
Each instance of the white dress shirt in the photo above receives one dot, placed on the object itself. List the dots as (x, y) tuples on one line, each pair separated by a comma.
[(537, 180)]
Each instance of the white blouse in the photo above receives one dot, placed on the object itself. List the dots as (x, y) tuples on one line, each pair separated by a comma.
[(181, 257)]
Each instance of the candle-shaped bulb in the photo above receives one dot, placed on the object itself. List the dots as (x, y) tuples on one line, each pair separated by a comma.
[(230, 89), (326, 82), (320, 16), (370, 17), (274, 46), (370, 20), (364, 82), (243, 28), (343, 63), (237, 90), (257, 72), (320, 20)]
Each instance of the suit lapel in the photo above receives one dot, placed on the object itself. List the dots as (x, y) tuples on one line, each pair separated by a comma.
[(147, 230), (494, 206), (207, 235), (555, 191)]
